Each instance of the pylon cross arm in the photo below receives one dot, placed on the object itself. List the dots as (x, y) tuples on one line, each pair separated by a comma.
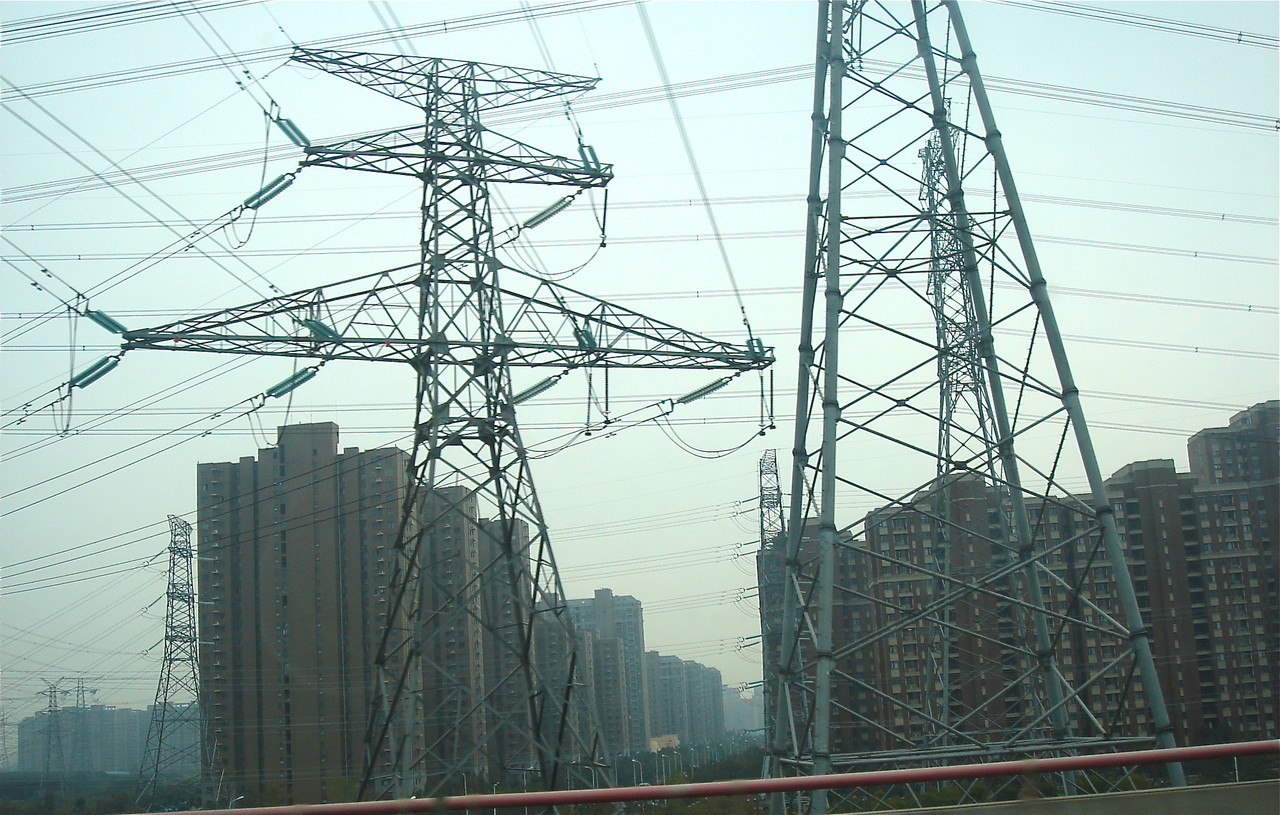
[(409, 151), (373, 318), (421, 81)]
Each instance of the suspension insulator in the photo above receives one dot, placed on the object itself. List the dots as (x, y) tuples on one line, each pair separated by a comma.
[(94, 372), (586, 340), (292, 133), (262, 196), (705, 390), (589, 158), (533, 390), (295, 381), (550, 212), (105, 321), (320, 330)]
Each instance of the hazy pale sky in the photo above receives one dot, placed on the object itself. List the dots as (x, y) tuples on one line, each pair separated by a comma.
[(1156, 215)]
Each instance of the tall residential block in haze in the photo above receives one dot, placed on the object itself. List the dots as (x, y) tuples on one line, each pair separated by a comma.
[(293, 566), (686, 701), (616, 622)]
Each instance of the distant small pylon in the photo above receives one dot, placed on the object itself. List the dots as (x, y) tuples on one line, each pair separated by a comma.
[(5, 758), (175, 748), (52, 780), (81, 755)]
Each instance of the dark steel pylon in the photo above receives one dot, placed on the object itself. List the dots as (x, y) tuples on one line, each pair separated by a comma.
[(946, 595), (53, 779), (477, 669), (176, 749)]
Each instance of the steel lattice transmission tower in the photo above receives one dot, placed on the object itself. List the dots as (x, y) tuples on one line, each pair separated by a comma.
[(770, 573), (176, 751), (947, 595), (462, 320), (53, 780)]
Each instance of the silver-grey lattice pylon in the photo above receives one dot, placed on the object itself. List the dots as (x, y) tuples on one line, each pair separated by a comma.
[(478, 673), (53, 780), (770, 574), (176, 754), (955, 586)]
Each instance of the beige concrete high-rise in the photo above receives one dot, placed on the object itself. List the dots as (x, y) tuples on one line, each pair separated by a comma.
[(293, 566), (609, 616)]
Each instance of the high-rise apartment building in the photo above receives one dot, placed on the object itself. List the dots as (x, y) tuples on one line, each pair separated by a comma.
[(1202, 581), (296, 560), (564, 658), (452, 659), (508, 703), (621, 617), (704, 687), (293, 551), (1245, 452), (668, 696), (685, 700), (1202, 551), (742, 713)]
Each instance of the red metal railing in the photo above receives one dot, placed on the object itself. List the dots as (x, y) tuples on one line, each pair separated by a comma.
[(757, 786)]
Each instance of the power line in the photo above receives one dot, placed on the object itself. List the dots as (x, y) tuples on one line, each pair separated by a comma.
[(175, 432), (186, 239), (100, 18), (720, 84), (1162, 24), (612, 528), (281, 53), (154, 315), (691, 156), (1094, 204), (383, 249)]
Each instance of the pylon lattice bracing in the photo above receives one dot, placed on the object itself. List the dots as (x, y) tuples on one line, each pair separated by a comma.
[(176, 752), (947, 595), (473, 576)]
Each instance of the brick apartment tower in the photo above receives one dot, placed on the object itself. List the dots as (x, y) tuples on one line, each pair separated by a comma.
[(293, 564)]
